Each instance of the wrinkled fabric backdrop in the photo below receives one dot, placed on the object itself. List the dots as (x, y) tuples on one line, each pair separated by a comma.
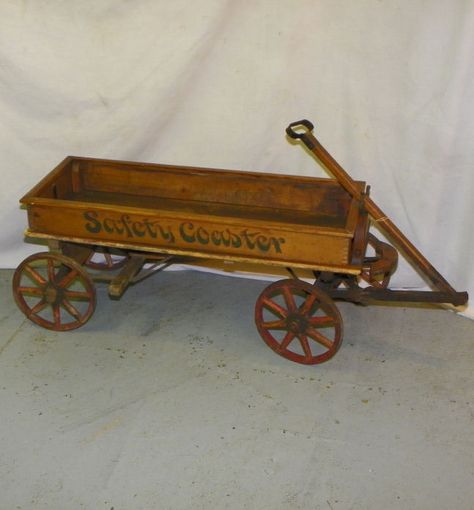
[(389, 85)]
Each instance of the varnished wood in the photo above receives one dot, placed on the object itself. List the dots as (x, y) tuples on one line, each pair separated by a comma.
[(270, 218)]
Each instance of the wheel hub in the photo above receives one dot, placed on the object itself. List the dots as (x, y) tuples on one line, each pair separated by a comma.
[(297, 323), (51, 294)]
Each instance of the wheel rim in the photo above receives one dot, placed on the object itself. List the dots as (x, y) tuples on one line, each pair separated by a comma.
[(378, 280), (299, 321), (54, 291), (106, 259)]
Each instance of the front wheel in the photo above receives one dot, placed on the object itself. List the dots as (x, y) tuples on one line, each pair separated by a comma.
[(54, 291), (299, 321)]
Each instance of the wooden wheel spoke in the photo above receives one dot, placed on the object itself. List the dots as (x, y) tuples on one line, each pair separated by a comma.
[(274, 307), (108, 259), (278, 324), (51, 275), (321, 322), (318, 337), (41, 305), (289, 337), (33, 291), (71, 309), (289, 298), (380, 284), (308, 304), (34, 275), (68, 279), (306, 348), (105, 260), (56, 315), (75, 294)]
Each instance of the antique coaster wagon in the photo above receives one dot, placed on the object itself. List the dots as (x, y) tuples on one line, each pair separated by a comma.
[(120, 221)]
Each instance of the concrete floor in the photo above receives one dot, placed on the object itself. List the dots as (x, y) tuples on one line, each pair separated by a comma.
[(169, 399)]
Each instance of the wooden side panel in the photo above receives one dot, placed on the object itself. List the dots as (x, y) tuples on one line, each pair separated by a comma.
[(205, 235), (227, 187)]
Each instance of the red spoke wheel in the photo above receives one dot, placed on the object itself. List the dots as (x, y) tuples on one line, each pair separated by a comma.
[(299, 321), (377, 270), (106, 259), (54, 291)]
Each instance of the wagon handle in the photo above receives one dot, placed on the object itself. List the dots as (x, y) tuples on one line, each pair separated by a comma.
[(290, 131), (383, 222)]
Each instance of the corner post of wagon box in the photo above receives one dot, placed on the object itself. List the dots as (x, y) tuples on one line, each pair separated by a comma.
[(302, 130)]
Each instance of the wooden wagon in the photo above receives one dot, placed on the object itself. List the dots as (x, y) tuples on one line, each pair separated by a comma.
[(120, 222)]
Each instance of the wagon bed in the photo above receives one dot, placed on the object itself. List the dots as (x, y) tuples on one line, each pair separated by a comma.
[(268, 218)]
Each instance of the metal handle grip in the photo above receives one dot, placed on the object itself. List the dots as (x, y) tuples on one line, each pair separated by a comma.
[(290, 131)]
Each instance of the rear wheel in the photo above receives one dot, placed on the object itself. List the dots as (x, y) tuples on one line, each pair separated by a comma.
[(103, 258), (299, 321), (54, 291)]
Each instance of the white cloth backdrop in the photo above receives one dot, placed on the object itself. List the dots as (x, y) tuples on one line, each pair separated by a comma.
[(389, 85)]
